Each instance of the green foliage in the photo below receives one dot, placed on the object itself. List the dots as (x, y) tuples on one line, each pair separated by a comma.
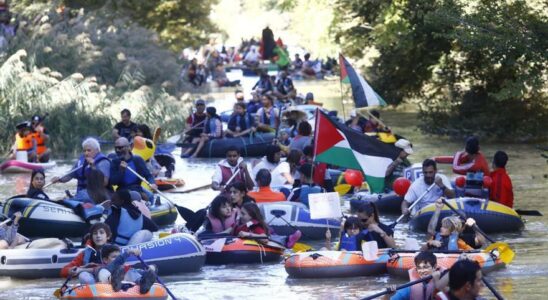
[(474, 67)]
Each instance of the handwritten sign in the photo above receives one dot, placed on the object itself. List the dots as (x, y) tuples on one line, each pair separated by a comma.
[(325, 206)]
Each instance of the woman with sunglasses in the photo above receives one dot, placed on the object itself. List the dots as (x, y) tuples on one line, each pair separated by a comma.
[(374, 229)]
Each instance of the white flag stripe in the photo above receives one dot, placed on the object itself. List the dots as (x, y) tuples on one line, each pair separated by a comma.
[(374, 166), (370, 95)]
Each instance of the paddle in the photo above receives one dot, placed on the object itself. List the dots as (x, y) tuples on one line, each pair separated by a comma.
[(393, 225), (68, 173), (525, 212), (192, 189), (148, 183), (157, 277), (492, 289), (387, 291), (59, 292), (506, 254), (342, 188)]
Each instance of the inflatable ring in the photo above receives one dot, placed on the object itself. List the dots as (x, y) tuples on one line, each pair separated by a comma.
[(143, 147)]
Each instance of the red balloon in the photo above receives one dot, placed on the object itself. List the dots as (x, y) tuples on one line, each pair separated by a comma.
[(401, 185), (487, 181), (353, 177), (460, 181)]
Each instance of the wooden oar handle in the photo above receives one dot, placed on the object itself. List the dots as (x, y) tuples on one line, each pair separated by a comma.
[(492, 289)]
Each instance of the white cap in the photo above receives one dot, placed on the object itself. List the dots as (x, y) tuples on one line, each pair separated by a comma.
[(405, 145)]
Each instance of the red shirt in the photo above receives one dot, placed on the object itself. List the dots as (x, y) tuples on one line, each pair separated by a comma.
[(479, 164), (501, 188), (251, 226)]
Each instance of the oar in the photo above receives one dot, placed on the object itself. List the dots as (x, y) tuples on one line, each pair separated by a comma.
[(506, 254), (387, 291), (393, 225), (192, 189), (59, 292), (157, 278), (148, 183), (492, 289), (525, 212), (66, 174)]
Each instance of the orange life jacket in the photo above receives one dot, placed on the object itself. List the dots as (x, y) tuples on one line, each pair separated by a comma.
[(23, 143), (40, 143)]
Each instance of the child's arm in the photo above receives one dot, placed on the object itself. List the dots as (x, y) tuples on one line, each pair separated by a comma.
[(121, 259), (263, 237), (431, 230)]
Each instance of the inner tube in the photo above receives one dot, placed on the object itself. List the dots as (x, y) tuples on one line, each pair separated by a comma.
[(241, 251), (490, 216), (278, 214), (105, 291), (254, 145), (333, 264), (400, 263)]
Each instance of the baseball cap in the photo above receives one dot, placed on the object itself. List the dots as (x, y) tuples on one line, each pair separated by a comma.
[(405, 145)]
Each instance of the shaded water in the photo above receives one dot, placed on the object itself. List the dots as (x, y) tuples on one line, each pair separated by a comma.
[(525, 278)]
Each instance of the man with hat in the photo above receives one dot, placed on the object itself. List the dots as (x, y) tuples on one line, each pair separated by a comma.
[(300, 194), (395, 169), (24, 141), (195, 122)]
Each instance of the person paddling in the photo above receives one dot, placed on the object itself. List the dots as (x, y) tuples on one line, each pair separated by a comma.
[(425, 265), (41, 137), (465, 281), (37, 181), (227, 169)]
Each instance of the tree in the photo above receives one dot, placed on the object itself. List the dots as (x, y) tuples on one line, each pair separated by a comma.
[(474, 66)]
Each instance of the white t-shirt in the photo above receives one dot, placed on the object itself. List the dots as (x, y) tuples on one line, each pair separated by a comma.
[(275, 170), (252, 56), (418, 187)]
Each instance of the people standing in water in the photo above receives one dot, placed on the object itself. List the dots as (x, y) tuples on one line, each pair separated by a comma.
[(36, 187), (501, 187), (125, 127), (92, 159), (213, 130), (227, 167), (41, 137)]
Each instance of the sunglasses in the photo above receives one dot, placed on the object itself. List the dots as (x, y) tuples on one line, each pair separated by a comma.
[(364, 219), (119, 147)]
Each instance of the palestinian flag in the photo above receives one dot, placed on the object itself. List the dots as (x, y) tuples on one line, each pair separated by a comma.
[(362, 92), (339, 145)]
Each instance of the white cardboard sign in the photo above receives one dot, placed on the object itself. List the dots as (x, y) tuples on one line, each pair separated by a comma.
[(325, 206)]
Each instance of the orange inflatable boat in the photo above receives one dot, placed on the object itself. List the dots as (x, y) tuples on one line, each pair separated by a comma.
[(105, 291), (330, 264), (240, 251)]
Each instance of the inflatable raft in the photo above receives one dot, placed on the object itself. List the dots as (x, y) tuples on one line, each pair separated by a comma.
[(400, 263), (166, 184), (42, 218), (249, 146), (284, 217), (490, 216), (177, 253), (17, 166), (105, 291), (332, 264), (232, 250)]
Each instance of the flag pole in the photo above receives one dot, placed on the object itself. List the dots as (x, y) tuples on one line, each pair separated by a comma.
[(342, 101), (370, 116)]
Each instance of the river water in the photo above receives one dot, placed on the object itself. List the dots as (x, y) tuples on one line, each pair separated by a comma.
[(525, 278)]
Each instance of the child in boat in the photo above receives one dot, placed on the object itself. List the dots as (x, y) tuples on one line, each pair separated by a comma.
[(9, 238), (350, 228), (221, 217), (374, 230), (114, 271), (448, 237), (37, 181), (251, 223), (84, 263), (425, 265)]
